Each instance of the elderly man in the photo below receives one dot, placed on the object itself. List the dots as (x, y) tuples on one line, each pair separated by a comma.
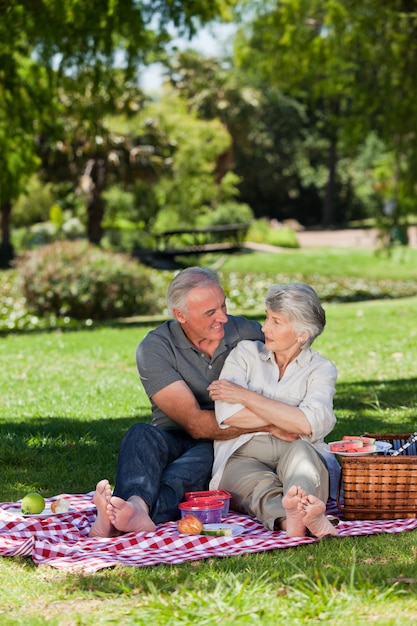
[(176, 362)]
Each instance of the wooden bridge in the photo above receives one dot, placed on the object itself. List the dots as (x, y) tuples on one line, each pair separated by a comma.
[(172, 244)]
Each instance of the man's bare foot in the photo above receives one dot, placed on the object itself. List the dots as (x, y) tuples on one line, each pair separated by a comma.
[(130, 516), (102, 526), (314, 517), (294, 523)]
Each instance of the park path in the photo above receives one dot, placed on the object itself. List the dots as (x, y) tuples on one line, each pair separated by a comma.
[(343, 238)]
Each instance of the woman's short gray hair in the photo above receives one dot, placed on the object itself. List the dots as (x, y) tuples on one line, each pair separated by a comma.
[(184, 282), (301, 305)]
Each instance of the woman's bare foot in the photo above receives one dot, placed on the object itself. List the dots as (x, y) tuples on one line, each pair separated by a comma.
[(315, 519), (102, 526), (294, 524), (130, 516)]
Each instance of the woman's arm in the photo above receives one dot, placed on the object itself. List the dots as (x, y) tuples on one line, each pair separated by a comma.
[(249, 393), (258, 410)]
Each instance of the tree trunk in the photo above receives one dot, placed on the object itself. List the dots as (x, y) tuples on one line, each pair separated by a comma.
[(6, 247), (95, 208), (223, 164), (95, 214), (330, 197)]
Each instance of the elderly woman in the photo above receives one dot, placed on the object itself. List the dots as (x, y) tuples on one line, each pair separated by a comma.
[(280, 476)]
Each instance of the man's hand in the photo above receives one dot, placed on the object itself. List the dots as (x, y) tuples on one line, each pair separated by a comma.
[(282, 434)]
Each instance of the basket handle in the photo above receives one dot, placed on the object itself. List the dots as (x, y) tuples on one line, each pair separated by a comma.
[(412, 438), (340, 506)]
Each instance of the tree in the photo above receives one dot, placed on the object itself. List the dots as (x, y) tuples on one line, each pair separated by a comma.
[(44, 42), (265, 126), (353, 61), (92, 151), (193, 187)]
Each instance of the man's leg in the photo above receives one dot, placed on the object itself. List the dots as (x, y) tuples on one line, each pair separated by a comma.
[(189, 472), (155, 468), (144, 453)]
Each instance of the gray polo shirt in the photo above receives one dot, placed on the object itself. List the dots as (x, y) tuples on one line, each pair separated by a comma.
[(166, 355)]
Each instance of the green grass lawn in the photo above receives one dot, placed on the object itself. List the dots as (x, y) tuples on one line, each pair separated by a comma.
[(399, 264), (67, 397)]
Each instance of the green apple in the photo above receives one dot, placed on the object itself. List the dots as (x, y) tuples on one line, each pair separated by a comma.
[(33, 504)]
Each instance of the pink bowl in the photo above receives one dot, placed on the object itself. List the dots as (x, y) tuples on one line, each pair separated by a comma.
[(208, 510), (219, 494)]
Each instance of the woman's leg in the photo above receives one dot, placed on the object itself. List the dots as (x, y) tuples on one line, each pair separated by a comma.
[(251, 477), (300, 464), (306, 486), (265, 468)]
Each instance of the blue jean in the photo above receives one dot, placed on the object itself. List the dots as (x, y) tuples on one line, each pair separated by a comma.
[(160, 465)]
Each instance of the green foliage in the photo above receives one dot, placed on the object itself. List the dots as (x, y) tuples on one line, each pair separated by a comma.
[(129, 217), (80, 281), (266, 127), (42, 233), (34, 204), (64, 66), (231, 212), (192, 187), (261, 231), (350, 64)]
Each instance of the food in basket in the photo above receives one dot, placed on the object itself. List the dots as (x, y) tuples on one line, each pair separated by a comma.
[(190, 525), (354, 444), (60, 506), (365, 440), (372, 447)]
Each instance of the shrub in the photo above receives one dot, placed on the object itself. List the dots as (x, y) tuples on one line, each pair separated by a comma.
[(230, 213), (76, 279), (261, 231)]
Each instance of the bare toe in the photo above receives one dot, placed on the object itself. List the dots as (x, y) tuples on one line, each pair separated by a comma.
[(294, 523), (315, 519), (102, 526)]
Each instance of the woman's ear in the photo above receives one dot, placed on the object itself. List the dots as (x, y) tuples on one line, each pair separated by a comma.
[(302, 337)]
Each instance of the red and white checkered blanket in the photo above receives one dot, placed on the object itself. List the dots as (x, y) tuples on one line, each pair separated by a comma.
[(62, 541)]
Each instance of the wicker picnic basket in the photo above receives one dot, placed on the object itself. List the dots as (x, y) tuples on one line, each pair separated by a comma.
[(379, 486)]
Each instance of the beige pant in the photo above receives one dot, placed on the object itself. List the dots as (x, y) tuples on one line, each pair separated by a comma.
[(262, 470)]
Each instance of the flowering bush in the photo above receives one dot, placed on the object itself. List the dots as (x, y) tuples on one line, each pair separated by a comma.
[(78, 280)]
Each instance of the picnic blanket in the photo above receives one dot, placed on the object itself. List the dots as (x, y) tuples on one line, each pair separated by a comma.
[(62, 541)]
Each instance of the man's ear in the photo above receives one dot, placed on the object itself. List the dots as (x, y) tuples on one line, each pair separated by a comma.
[(179, 316)]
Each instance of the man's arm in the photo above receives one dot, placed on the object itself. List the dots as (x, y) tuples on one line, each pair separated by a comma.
[(179, 404)]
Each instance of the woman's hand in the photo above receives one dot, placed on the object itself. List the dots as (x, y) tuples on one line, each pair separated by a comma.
[(227, 391)]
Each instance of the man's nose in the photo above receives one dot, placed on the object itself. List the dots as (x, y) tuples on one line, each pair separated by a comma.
[(221, 317)]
